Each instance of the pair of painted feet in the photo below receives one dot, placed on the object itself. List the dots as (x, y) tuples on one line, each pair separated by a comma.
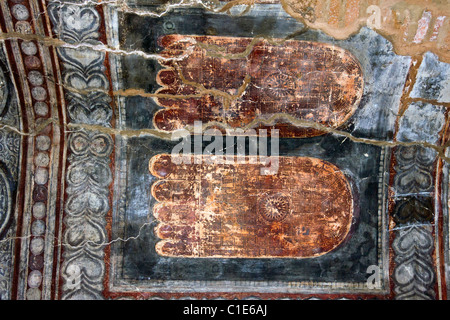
[(230, 210)]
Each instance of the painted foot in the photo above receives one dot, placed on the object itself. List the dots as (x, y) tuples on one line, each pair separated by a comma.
[(238, 83), (232, 211)]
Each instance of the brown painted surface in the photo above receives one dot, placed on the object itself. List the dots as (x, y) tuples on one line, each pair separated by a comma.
[(234, 81), (403, 22), (231, 210)]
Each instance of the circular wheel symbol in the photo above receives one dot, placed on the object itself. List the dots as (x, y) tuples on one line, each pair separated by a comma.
[(279, 85), (274, 207)]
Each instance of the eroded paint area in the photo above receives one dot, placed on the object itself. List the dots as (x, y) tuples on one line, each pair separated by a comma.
[(232, 211), (233, 81), (413, 26)]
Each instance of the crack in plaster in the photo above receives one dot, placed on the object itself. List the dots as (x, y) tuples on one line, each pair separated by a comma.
[(389, 29), (228, 97), (89, 242), (57, 43), (129, 133), (212, 50), (122, 6), (139, 234)]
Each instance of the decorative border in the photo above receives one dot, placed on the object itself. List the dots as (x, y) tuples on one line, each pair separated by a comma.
[(89, 175), (414, 213), (414, 272), (34, 73), (415, 209)]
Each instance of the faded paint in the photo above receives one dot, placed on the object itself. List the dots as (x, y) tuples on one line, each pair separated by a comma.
[(221, 210), (240, 80), (404, 22)]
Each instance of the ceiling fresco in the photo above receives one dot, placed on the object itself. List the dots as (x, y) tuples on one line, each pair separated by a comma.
[(264, 149)]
